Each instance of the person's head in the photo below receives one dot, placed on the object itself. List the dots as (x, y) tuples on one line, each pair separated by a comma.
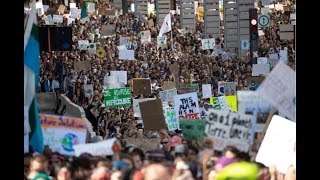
[(231, 152), (138, 158), (166, 144), (181, 152), (156, 171), (64, 173), (192, 153), (39, 163), (100, 173)]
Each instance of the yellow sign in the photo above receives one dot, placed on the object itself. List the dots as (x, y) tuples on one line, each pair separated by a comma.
[(101, 53), (232, 103)]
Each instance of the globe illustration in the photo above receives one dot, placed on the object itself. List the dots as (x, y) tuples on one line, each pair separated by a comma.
[(68, 141)]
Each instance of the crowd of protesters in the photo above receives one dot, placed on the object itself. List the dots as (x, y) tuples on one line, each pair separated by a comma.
[(188, 160)]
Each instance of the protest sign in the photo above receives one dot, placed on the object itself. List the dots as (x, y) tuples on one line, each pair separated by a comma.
[(226, 88), (57, 18), (262, 60), (123, 47), (117, 97), (260, 69), (152, 115), (232, 103), (146, 144), (187, 88), (74, 13), (219, 103), (265, 2), (279, 144), (192, 129), (111, 82), (123, 41), (171, 118), (208, 43), (186, 106), (150, 23), (91, 8), (206, 91), (121, 75), (136, 106), (284, 56), (279, 88), (261, 33), (62, 8), (229, 128), (88, 90), (45, 8), (214, 101), (203, 113), (265, 10), (48, 20), (61, 133), (81, 65), (141, 86), (274, 56), (101, 148), (92, 48), (70, 20), (161, 42), (168, 85), (126, 54), (72, 5), (167, 95), (145, 37)]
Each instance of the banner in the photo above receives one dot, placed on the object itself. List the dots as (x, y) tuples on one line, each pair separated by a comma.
[(126, 54), (229, 128), (152, 115), (168, 95), (279, 144), (146, 144), (206, 91), (121, 75), (141, 86), (171, 119), (136, 106), (279, 88), (101, 148), (61, 133), (145, 37), (186, 106), (192, 130), (226, 88), (117, 97)]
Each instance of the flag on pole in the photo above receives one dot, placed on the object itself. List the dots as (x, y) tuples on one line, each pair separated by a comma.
[(166, 25), (31, 76)]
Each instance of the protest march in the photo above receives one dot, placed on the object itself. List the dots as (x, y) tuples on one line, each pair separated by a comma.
[(165, 89)]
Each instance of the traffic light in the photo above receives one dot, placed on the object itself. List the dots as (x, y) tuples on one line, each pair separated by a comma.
[(254, 36)]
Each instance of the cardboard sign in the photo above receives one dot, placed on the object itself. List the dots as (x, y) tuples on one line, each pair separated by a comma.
[(168, 85), (126, 54), (61, 133), (192, 130), (88, 90), (279, 144), (117, 97), (102, 148), (229, 128), (61, 9), (186, 106), (152, 115), (141, 86), (146, 144), (171, 118), (81, 65), (150, 23), (206, 91), (107, 30), (260, 69), (136, 105), (168, 95), (121, 75), (226, 88), (279, 88)]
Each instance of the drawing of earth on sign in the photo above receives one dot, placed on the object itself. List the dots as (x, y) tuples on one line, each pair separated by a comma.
[(68, 141)]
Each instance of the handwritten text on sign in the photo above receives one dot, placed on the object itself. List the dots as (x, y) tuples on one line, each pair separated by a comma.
[(171, 119), (186, 106), (229, 129)]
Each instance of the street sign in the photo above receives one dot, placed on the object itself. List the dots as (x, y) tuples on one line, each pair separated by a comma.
[(245, 44), (264, 21)]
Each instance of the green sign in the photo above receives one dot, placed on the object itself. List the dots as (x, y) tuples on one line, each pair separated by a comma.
[(117, 97), (264, 21), (192, 129)]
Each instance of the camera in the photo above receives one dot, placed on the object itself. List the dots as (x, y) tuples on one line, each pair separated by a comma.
[(210, 164)]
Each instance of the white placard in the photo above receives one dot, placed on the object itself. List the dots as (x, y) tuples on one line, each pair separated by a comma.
[(136, 105), (102, 148), (279, 144), (171, 118), (186, 106), (206, 91), (161, 42), (229, 128), (260, 69), (88, 90), (121, 75), (48, 20), (126, 54), (72, 5), (145, 37), (261, 33), (208, 43), (92, 48), (274, 56), (91, 8), (262, 60), (279, 88), (83, 44), (226, 88), (122, 47), (70, 20), (293, 16), (74, 13), (265, 10), (45, 8), (168, 95), (123, 41), (57, 18), (284, 56)]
